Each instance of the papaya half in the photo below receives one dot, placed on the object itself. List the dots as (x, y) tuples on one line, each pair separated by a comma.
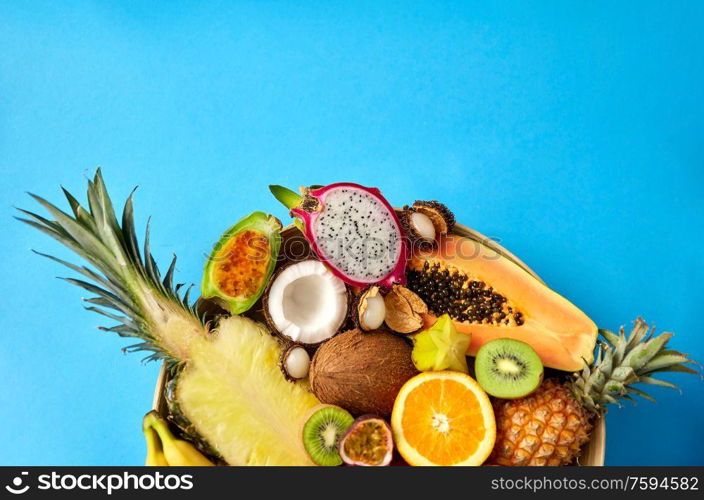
[(490, 296)]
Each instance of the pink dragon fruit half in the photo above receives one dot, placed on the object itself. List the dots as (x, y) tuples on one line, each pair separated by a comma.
[(353, 230)]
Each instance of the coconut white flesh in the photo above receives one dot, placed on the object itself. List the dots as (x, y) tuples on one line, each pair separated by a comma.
[(423, 225), (358, 234), (373, 316), (307, 303), (297, 363)]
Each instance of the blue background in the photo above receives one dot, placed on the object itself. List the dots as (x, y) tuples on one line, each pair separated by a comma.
[(572, 131)]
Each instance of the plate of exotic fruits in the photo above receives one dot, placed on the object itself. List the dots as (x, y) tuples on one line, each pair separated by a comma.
[(360, 333)]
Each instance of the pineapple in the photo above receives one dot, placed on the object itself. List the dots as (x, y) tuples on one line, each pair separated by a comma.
[(227, 386), (549, 426)]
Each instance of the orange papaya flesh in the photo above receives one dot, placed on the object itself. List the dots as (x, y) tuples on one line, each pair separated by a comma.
[(489, 296)]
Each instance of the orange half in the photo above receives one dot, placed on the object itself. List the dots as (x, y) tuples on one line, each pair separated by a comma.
[(443, 418)]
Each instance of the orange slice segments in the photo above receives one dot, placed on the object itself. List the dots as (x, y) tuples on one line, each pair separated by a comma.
[(443, 418)]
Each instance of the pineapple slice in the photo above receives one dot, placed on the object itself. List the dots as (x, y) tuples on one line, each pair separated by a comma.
[(234, 393), (229, 386)]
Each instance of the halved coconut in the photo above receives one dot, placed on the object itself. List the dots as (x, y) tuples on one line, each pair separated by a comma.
[(306, 303)]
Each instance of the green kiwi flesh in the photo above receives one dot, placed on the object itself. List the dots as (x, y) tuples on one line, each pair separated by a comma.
[(322, 433), (508, 368)]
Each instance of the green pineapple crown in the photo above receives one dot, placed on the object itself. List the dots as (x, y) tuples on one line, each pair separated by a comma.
[(622, 361), (123, 279)]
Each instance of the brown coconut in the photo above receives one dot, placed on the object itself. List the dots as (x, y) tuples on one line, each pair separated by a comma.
[(361, 371)]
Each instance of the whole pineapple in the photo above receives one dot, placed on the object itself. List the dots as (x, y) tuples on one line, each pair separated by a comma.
[(228, 390), (549, 426)]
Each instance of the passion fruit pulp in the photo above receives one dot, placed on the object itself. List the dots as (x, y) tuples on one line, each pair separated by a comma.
[(368, 442), (238, 269)]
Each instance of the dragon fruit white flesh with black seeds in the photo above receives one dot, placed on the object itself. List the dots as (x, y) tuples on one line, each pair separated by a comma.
[(353, 230)]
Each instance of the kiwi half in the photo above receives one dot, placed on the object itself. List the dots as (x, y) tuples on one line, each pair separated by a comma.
[(322, 432), (508, 368)]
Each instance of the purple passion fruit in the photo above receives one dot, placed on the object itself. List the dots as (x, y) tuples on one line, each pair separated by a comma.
[(368, 442)]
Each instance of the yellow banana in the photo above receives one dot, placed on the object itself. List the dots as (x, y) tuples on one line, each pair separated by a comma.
[(155, 453), (175, 452)]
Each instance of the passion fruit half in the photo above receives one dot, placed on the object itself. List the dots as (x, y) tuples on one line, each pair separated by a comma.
[(368, 442), (238, 269)]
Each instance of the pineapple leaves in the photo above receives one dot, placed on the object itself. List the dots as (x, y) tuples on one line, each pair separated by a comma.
[(667, 359), (129, 235), (655, 381), (109, 284), (121, 279), (168, 282), (642, 353), (610, 337), (677, 368), (78, 211), (622, 361), (640, 393)]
